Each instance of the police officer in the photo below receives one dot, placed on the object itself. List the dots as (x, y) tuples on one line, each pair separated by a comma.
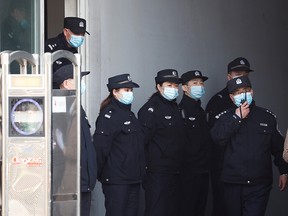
[(250, 136), (218, 103), (63, 78), (162, 125), (70, 39), (120, 149), (195, 175)]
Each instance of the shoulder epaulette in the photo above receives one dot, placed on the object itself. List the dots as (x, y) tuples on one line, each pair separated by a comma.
[(52, 46), (220, 114), (271, 113)]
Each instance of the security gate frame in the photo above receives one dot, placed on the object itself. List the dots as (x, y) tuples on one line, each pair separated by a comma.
[(26, 157)]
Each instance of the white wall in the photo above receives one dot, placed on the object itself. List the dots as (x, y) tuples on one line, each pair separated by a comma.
[(141, 37)]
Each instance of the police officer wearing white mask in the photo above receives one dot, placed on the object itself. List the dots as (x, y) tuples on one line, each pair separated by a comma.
[(70, 39), (163, 127)]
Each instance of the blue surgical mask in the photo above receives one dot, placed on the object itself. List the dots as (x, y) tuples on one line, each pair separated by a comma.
[(127, 98), (76, 40), (249, 97), (241, 98), (197, 92), (82, 87), (170, 93)]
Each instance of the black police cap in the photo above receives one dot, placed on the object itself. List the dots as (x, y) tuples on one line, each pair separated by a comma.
[(121, 81), (239, 64), (76, 25), (238, 82), (63, 73), (167, 75), (186, 77)]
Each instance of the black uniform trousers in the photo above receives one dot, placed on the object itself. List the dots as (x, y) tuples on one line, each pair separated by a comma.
[(85, 203), (217, 191), (246, 200), (121, 199), (160, 194), (193, 193)]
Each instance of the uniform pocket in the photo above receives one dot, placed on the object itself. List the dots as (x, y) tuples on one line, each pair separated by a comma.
[(264, 131)]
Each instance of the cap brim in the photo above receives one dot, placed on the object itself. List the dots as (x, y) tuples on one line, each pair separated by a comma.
[(167, 79), (123, 85), (241, 69), (130, 85), (84, 73)]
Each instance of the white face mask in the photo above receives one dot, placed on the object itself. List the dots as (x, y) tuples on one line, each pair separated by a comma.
[(170, 93)]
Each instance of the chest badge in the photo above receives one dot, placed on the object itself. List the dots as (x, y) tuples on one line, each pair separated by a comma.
[(168, 117), (127, 123), (264, 124)]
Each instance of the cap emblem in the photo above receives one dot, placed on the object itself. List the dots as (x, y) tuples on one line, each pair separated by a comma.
[(238, 81), (129, 78), (81, 24), (242, 62), (197, 73), (174, 73)]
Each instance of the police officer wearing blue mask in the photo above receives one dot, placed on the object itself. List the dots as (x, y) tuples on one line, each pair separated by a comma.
[(63, 79), (197, 147), (220, 102), (119, 143), (70, 39), (163, 127), (250, 136)]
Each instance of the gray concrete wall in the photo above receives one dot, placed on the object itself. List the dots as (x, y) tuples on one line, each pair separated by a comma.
[(141, 37)]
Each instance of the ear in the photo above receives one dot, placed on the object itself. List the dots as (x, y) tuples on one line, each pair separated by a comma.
[(66, 33), (229, 77), (65, 84), (185, 88), (158, 87), (231, 97), (114, 92)]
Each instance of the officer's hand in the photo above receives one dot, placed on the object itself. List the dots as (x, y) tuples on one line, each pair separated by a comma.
[(283, 182), (243, 110)]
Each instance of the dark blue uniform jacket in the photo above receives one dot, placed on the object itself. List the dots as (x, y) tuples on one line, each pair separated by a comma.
[(163, 128), (59, 43), (88, 156), (119, 145), (249, 145), (217, 104), (197, 147)]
